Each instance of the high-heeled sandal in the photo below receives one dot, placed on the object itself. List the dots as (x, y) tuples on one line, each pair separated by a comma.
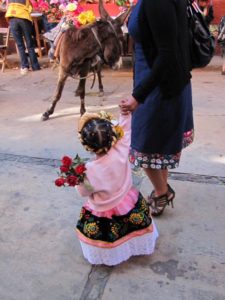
[(158, 204), (171, 194)]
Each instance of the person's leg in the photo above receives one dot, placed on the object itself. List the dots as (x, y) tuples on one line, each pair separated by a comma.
[(158, 179), (165, 175), (27, 32), (51, 51), (17, 33), (162, 194), (54, 44)]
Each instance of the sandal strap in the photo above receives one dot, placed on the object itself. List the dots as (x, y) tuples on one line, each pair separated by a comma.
[(161, 200), (170, 193), (158, 204)]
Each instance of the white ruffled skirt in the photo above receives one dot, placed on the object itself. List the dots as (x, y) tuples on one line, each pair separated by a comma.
[(140, 245)]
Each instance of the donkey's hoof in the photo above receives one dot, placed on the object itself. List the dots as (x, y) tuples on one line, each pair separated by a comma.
[(82, 112), (101, 94), (45, 116)]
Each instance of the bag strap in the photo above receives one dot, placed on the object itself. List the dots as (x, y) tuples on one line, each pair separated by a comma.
[(194, 12), (193, 7)]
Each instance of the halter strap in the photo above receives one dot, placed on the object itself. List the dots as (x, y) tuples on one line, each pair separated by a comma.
[(93, 29), (112, 27)]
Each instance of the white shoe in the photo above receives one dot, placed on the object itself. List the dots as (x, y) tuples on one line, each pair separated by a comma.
[(24, 71)]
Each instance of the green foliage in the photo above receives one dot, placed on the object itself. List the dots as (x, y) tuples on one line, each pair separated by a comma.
[(121, 2)]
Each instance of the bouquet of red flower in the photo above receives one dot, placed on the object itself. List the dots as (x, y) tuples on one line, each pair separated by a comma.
[(72, 171)]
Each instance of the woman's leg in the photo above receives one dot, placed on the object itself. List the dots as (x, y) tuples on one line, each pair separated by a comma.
[(159, 180), (163, 194), (165, 175)]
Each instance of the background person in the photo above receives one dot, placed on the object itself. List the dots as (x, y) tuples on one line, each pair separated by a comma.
[(20, 22)]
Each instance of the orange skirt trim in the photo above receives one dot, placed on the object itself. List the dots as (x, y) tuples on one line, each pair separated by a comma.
[(102, 244)]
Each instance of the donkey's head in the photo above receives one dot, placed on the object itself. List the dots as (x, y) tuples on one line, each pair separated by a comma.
[(112, 36), (103, 38)]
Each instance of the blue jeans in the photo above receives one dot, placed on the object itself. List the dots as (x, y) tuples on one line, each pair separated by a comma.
[(21, 30)]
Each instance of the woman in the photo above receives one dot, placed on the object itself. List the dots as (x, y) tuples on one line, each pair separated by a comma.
[(162, 120)]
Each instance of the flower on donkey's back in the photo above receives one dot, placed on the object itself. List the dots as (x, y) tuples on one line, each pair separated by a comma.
[(86, 17), (54, 2)]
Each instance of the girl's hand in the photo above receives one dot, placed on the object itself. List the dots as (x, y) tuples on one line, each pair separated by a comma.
[(128, 105)]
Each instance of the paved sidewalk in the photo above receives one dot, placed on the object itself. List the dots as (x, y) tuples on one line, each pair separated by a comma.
[(41, 258)]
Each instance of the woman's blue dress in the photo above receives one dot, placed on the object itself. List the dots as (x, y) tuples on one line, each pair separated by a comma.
[(160, 127)]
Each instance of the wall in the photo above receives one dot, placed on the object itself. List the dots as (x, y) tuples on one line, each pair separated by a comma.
[(219, 10)]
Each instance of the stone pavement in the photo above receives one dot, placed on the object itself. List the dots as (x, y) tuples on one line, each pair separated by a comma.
[(40, 256)]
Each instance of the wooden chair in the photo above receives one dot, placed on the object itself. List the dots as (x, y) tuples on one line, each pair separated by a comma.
[(4, 42), (39, 35)]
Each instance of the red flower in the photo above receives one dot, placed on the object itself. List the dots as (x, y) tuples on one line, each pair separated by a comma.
[(72, 171), (64, 169), (80, 169), (66, 161), (59, 181), (72, 180)]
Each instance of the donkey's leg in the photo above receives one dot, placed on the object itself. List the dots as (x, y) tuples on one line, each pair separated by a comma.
[(80, 87), (82, 93), (60, 85), (100, 85), (83, 75)]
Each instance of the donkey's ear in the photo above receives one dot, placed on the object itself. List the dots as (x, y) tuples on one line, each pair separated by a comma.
[(122, 17), (103, 13)]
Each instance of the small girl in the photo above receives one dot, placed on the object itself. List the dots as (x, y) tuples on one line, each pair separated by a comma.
[(114, 223)]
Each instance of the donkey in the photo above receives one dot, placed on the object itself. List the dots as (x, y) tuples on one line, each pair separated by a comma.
[(96, 68), (81, 48)]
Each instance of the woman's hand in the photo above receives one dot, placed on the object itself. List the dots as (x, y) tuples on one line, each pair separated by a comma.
[(128, 105)]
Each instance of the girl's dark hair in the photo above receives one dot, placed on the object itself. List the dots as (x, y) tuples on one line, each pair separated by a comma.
[(97, 135)]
